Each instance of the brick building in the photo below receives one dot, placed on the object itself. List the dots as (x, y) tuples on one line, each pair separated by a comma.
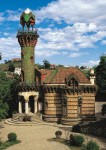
[(62, 95)]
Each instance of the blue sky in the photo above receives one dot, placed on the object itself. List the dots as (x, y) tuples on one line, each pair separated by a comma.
[(71, 33)]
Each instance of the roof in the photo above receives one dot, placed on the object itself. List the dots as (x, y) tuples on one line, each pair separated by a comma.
[(60, 75)]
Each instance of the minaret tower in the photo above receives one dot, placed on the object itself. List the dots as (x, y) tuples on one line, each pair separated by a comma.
[(27, 39), (28, 91)]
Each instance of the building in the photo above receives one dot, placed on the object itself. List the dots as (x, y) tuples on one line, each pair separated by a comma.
[(62, 95)]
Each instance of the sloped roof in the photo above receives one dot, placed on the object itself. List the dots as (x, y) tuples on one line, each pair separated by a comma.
[(59, 75)]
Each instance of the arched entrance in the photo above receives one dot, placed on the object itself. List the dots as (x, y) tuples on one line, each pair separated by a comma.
[(31, 104)]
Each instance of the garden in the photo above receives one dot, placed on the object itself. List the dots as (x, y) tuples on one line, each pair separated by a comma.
[(12, 140), (75, 142), (97, 128)]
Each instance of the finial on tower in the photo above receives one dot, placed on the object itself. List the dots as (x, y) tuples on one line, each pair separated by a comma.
[(27, 18)]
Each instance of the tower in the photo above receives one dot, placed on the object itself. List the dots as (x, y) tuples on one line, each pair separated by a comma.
[(27, 38)]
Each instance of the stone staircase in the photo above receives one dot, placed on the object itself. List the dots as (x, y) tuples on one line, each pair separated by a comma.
[(32, 119)]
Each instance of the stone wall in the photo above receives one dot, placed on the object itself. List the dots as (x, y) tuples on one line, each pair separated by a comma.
[(63, 105)]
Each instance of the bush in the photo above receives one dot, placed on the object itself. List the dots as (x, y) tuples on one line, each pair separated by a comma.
[(76, 128), (71, 139), (58, 134), (92, 146), (76, 140), (12, 136)]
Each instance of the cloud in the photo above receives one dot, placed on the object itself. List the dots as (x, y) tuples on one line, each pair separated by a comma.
[(83, 24), (69, 38), (104, 42), (71, 12), (73, 55), (92, 63)]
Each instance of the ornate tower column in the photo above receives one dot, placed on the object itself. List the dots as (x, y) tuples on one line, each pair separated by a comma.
[(27, 39)]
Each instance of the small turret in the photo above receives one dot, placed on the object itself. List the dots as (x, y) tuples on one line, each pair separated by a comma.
[(92, 76)]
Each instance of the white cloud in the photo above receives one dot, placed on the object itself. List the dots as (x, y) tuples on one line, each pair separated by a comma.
[(73, 55), (91, 63), (85, 25), (104, 42), (71, 11)]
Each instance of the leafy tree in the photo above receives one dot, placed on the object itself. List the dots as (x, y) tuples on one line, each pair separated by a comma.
[(11, 67), (82, 67), (6, 94), (39, 66), (101, 74), (46, 64), (60, 65)]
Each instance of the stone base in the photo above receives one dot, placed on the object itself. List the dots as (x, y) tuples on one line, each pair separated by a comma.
[(71, 122), (88, 118), (51, 118)]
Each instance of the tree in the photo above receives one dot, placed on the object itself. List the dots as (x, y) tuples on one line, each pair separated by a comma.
[(0, 56), (46, 64), (101, 74), (7, 92), (11, 67), (40, 66)]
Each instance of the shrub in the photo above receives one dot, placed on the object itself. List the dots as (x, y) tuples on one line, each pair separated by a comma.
[(12, 136), (58, 134), (76, 128), (76, 140), (71, 139), (92, 146)]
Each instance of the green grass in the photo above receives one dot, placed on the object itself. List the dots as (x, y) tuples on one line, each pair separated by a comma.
[(7, 144)]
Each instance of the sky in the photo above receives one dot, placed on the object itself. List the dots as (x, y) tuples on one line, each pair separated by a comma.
[(71, 33)]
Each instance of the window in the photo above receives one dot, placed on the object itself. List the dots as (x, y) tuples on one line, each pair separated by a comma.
[(73, 83)]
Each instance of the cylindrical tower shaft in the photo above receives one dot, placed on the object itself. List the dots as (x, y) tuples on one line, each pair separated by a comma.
[(27, 41)]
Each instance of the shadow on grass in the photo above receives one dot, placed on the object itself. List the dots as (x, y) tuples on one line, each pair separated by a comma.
[(67, 143), (7, 144)]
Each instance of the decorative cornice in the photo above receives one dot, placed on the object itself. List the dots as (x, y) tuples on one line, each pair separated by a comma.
[(27, 38), (70, 90), (27, 87)]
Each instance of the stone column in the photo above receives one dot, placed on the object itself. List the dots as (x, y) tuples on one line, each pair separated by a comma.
[(20, 107), (35, 106), (26, 107)]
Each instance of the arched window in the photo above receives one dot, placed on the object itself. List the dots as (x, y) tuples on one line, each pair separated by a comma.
[(72, 83)]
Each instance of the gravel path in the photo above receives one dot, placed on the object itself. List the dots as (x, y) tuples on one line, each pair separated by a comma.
[(36, 137), (33, 137)]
